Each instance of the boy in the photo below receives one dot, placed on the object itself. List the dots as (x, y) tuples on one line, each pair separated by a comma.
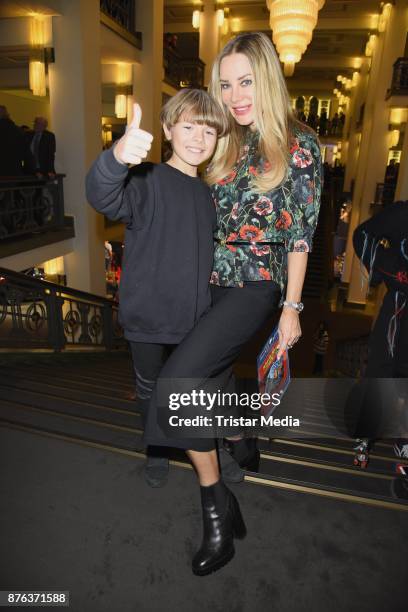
[(170, 219)]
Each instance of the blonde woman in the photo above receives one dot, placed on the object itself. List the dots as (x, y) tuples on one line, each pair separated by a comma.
[(265, 180)]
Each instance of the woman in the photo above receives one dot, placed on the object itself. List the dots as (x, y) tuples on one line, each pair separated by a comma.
[(265, 180)]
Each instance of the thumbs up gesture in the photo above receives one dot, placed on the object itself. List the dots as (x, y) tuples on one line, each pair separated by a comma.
[(135, 144)]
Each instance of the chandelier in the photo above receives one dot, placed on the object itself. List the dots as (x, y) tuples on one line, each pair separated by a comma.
[(292, 24)]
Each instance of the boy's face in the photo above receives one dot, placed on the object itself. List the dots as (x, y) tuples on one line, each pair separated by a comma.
[(192, 144)]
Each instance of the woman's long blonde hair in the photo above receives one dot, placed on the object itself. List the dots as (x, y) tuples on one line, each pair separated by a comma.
[(273, 114)]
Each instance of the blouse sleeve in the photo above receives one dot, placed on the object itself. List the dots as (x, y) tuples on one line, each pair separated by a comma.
[(305, 180)]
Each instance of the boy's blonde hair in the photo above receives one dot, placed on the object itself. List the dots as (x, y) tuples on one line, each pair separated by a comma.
[(273, 113), (194, 105)]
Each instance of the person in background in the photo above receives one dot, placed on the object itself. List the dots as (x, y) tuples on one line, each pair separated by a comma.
[(15, 155), (323, 123), (320, 346), (43, 146), (381, 243)]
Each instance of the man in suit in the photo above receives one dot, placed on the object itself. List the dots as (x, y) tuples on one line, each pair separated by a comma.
[(42, 144)]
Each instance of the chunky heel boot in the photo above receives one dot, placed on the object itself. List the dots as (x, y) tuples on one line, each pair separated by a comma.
[(222, 521), (245, 452)]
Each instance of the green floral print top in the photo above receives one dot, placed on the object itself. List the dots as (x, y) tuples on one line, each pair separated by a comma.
[(287, 214)]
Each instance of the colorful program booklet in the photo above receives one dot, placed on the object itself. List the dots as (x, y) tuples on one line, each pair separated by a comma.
[(273, 374)]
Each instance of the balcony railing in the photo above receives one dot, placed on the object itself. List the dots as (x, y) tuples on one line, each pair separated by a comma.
[(399, 83), (180, 72), (39, 314), (121, 11), (30, 205), (119, 15)]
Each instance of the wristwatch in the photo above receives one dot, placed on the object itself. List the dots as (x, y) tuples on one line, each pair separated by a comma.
[(295, 305)]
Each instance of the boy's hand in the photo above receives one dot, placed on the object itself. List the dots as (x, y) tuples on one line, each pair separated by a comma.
[(135, 144)]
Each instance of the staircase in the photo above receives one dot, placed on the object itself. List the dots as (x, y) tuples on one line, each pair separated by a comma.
[(82, 398), (320, 261)]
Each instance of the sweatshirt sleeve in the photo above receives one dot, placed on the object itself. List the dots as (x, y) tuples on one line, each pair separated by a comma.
[(112, 190), (386, 260)]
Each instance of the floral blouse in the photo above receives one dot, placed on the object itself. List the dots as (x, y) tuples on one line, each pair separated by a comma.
[(286, 215)]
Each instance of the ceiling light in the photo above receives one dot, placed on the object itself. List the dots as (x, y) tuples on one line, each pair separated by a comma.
[(196, 19), (120, 106), (220, 17), (292, 23)]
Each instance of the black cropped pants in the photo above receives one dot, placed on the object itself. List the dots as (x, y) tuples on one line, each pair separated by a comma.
[(209, 351)]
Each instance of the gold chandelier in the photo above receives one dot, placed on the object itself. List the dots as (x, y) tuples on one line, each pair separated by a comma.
[(292, 24)]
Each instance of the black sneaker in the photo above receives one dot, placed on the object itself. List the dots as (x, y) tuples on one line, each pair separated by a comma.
[(401, 450)]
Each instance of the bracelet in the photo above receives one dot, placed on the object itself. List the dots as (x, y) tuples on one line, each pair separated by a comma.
[(298, 306)]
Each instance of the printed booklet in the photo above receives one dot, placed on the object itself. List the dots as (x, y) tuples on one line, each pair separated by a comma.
[(273, 374)]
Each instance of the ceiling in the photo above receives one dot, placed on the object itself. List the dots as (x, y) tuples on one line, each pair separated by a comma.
[(339, 38), (10, 8)]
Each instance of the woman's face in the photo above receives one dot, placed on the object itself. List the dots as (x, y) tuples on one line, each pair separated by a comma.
[(237, 87)]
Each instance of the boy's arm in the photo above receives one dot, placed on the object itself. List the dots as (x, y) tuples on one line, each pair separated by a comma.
[(105, 188)]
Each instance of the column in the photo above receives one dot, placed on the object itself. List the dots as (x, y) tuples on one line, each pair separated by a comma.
[(209, 38), (375, 141), (401, 192), (76, 109), (148, 75), (354, 135)]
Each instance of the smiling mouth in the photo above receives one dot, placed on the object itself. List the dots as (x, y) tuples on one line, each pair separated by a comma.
[(241, 110), (193, 150)]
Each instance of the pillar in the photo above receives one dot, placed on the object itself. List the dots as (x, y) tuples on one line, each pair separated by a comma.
[(76, 109), (209, 38), (354, 134), (148, 75), (374, 141), (401, 192)]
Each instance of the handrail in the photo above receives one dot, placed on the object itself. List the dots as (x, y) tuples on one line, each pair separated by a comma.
[(39, 314), (29, 178), (34, 282)]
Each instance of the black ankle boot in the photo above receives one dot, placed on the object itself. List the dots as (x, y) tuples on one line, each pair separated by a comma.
[(245, 452), (222, 522)]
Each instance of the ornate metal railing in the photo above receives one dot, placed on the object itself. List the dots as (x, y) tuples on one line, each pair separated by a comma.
[(181, 72), (39, 314), (399, 83), (121, 11), (30, 205)]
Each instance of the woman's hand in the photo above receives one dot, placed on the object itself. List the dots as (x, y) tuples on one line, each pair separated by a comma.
[(289, 329)]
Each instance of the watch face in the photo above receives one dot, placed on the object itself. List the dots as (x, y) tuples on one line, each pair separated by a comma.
[(300, 307)]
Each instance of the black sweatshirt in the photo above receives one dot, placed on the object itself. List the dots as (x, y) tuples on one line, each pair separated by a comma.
[(389, 264), (170, 218)]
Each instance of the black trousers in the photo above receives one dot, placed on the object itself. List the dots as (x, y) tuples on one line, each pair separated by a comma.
[(381, 364), (206, 355), (376, 399)]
